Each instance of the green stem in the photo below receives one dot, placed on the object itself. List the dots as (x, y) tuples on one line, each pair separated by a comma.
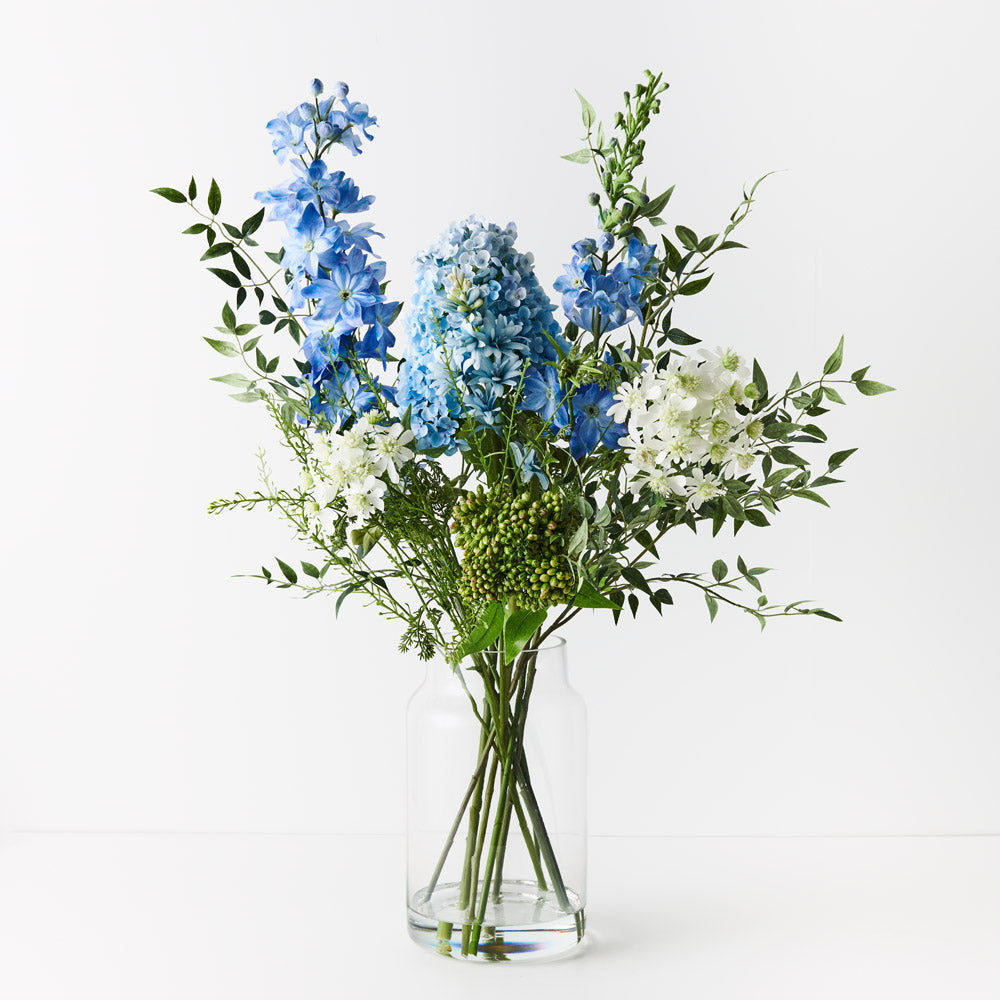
[(470, 837), (529, 841)]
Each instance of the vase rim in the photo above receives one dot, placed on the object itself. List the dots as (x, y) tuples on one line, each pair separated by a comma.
[(555, 642)]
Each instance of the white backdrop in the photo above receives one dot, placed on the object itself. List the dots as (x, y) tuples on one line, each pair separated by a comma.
[(143, 689)]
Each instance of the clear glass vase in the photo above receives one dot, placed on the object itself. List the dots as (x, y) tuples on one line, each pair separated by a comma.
[(496, 812)]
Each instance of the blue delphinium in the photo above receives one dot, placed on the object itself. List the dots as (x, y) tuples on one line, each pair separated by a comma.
[(328, 261), (479, 318), (598, 302), (592, 425), (542, 393), (527, 464)]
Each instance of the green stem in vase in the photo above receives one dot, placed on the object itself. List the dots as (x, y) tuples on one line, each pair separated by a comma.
[(470, 838), (477, 856), (530, 842)]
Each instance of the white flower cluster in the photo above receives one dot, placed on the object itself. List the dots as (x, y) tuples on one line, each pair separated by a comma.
[(685, 417), (353, 466)]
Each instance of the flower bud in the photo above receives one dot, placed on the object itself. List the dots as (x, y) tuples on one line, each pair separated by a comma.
[(340, 90), (317, 87)]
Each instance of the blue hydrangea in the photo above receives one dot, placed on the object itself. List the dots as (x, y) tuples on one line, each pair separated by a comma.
[(479, 318), (332, 275), (599, 302)]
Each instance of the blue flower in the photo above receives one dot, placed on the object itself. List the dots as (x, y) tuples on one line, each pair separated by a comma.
[(307, 240), (343, 295), (600, 302), (494, 339), (483, 402), (479, 315), (527, 465), (330, 262), (287, 136), (542, 393), (591, 423)]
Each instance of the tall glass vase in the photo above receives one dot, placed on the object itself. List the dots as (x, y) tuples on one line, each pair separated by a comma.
[(496, 817)]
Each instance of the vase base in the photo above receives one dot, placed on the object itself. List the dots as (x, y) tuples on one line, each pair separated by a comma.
[(521, 923)]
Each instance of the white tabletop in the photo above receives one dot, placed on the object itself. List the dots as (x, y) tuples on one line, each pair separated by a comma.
[(220, 916)]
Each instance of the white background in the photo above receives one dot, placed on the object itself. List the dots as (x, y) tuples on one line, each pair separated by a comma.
[(143, 689)]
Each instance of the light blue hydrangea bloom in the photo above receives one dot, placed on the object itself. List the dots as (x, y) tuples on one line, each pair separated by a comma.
[(479, 318)]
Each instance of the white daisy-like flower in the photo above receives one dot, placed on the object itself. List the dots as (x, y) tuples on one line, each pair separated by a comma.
[(390, 448), (702, 486)]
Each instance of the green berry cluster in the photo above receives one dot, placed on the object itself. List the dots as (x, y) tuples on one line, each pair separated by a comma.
[(514, 548)]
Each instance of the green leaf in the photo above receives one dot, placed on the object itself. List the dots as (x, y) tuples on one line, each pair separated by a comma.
[(586, 111), (192, 190), (340, 600), (825, 614), (223, 347), (227, 276), (713, 606), (218, 250), (484, 634), (310, 570), (253, 223), (214, 198), (290, 575), (838, 458), (653, 208), (869, 388), (732, 245), (680, 337), (519, 628), (588, 596), (832, 394), (694, 287), (250, 396), (810, 495), (198, 227), (687, 237), (636, 579), (580, 156), (171, 194), (228, 317), (719, 570), (236, 380), (755, 517), (240, 264), (860, 373), (787, 457), (835, 360), (759, 379), (578, 541)]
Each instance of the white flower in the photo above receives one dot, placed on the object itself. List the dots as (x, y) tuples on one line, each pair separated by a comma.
[(632, 397), (390, 448), (701, 486), (665, 485), (363, 498), (725, 359), (741, 458)]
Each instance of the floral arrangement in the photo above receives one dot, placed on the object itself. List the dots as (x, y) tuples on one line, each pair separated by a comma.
[(517, 460)]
